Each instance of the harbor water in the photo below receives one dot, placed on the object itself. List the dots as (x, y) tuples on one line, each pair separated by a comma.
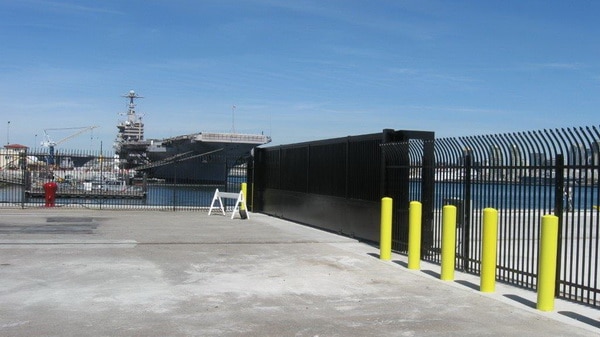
[(499, 196), (181, 195)]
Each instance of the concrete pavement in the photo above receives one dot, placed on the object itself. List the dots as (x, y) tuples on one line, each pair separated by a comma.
[(156, 273)]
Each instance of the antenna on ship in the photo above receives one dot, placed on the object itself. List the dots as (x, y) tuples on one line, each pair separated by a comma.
[(131, 111)]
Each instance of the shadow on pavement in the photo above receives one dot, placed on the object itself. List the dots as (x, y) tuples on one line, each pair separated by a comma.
[(581, 318), (521, 300)]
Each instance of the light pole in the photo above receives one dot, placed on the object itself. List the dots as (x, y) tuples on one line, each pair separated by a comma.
[(233, 119), (8, 133)]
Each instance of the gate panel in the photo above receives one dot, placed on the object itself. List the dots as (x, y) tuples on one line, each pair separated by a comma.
[(401, 176)]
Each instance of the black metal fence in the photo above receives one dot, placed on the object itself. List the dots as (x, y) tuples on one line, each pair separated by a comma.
[(525, 176), (336, 185), (95, 180)]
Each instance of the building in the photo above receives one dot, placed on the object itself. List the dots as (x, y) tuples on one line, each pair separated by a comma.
[(10, 156)]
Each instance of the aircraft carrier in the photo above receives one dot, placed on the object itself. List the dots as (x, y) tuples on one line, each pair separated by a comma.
[(204, 157)]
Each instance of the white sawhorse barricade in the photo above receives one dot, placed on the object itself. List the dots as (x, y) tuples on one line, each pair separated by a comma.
[(227, 195)]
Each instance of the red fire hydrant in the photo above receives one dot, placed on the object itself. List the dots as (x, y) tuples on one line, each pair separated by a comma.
[(50, 193)]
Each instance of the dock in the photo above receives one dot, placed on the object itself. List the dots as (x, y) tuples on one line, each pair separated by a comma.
[(82, 272)]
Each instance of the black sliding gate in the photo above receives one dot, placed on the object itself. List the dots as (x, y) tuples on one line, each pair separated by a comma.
[(337, 184)]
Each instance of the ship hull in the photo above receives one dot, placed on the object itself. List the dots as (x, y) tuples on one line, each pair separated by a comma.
[(189, 159), (192, 171), (199, 163)]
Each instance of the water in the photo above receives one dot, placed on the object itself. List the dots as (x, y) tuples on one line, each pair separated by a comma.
[(157, 195), (510, 196), (500, 196)]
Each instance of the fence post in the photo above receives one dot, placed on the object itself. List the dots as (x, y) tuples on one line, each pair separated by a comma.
[(559, 208), (546, 279), (385, 237), (466, 214), (101, 161), (448, 242), (414, 235), (145, 187), (26, 180), (489, 245)]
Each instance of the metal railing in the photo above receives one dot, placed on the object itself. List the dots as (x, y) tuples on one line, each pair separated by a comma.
[(525, 176), (93, 180)]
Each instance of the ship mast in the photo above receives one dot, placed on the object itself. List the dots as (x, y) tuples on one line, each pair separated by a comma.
[(131, 116), (133, 128)]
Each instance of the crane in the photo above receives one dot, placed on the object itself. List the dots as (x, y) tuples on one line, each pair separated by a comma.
[(50, 144)]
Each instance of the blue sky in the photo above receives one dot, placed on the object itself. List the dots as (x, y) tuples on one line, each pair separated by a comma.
[(297, 70)]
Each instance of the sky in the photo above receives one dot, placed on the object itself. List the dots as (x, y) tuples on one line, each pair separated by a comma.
[(296, 70)]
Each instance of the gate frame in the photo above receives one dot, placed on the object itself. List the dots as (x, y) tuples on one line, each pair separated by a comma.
[(396, 147)]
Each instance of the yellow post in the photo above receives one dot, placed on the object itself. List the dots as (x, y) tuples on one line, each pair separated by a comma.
[(489, 246), (448, 242), (414, 235), (546, 279), (245, 194), (385, 237)]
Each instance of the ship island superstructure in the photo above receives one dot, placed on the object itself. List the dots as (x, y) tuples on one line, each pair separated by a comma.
[(204, 157), (132, 129)]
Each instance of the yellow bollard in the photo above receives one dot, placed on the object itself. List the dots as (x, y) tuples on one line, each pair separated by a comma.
[(243, 212), (546, 279), (245, 194), (448, 242), (385, 237), (414, 235), (489, 245)]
